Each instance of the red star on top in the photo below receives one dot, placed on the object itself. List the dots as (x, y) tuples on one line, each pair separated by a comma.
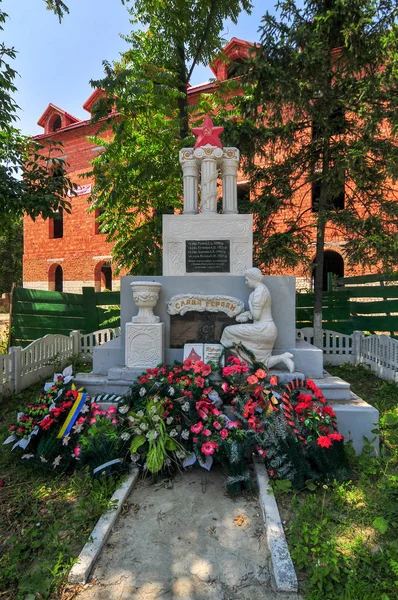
[(208, 134)]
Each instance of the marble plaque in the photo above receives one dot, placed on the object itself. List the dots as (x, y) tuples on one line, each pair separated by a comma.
[(200, 327), (207, 256), (212, 353), (183, 303)]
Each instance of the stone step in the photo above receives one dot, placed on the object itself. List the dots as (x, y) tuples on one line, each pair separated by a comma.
[(333, 388)]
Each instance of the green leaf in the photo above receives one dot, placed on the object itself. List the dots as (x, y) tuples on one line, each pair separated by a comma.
[(381, 525), (155, 459), (170, 444), (310, 485), (137, 442)]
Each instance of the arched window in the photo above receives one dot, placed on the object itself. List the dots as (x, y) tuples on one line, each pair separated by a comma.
[(103, 277), (55, 278), (57, 225), (234, 68), (333, 263), (55, 123)]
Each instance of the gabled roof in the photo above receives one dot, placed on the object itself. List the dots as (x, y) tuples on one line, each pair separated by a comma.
[(234, 50), (91, 100), (51, 109)]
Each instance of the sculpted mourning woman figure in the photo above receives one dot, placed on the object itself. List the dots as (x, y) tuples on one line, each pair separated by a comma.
[(258, 337)]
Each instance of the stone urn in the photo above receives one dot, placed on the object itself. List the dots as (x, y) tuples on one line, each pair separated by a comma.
[(145, 296)]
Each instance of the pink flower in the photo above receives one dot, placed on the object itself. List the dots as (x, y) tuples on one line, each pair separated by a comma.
[(217, 425), (93, 420), (200, 382), (252, 379), (224, 433), (112, 410), (227, 371), (233, 424), (207, 432), (224, 387), (197, 428), (114, 421), (261, 374), (209, 448), (206, 370), (76, 451), (195, 439)]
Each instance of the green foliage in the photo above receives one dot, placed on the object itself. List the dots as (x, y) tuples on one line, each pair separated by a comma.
[(138, 176), (33, 178), (325, 124), (343, 536)]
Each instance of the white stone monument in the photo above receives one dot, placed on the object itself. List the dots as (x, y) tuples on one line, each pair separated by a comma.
[(144, 345), (201, 241), (205, 256)]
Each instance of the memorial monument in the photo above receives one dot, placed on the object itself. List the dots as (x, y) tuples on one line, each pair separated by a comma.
[(202, 298)]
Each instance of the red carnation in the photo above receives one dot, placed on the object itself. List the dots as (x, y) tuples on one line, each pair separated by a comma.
[(336, 436), (324, 442)]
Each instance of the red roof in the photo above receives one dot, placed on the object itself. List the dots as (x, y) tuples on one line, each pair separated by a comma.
[(51, 109)]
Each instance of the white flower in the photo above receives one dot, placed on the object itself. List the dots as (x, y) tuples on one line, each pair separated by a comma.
[(142, 392), (125, 436), (185, 434), (140, 414), (27, 456), (56, 461), (180, 454), (156, 399), (167, 462), (65, 440), (153, 409), (43, 460), (171, 391), (185, 406), (137, 431), (130, 418), (155, 418), (135, 457), (85, 408), (78, 427), (169, 420), (143, 426), (123, 409), (173, 433)]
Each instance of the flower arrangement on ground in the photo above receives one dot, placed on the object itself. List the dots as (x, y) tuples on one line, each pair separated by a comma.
[(175, 419)]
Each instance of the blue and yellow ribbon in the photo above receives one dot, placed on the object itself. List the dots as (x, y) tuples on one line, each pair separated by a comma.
[(72, 415)]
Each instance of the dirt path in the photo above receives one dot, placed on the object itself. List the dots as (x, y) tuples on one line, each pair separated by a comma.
[(189, 541)]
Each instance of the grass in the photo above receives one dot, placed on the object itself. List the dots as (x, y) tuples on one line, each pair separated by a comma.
[(343, 536), (45, 518)]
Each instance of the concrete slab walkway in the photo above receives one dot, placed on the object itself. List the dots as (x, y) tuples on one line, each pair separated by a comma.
[(185, 540)]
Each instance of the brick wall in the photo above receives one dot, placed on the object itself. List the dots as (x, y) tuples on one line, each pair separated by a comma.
[(81, 251)]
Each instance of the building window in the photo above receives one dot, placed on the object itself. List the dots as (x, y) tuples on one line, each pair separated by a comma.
[(97, 225), (103, 277), (335, 201), (57, 225), (55, 278), (55, 123), (333, 263), (243, 197), (234, 68)]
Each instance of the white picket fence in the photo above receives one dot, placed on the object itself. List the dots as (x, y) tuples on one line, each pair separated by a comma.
[(23, 367), (378, 352)]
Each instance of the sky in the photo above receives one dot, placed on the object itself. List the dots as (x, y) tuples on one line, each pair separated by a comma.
[(55, 62)]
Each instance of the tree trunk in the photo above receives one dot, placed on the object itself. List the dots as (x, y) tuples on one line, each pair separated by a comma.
[(320, 242), (183, 89)]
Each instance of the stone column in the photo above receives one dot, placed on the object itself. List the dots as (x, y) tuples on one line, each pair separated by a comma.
[(208, 156), (230, 165), (190, 172)]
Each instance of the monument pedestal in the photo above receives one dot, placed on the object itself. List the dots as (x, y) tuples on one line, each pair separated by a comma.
[(144, 345), (207, 244)]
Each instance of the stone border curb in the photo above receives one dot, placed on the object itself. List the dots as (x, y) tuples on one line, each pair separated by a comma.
[(282, 569), (81, 570)]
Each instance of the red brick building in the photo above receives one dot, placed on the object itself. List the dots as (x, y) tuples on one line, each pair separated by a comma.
[(68, 253)]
